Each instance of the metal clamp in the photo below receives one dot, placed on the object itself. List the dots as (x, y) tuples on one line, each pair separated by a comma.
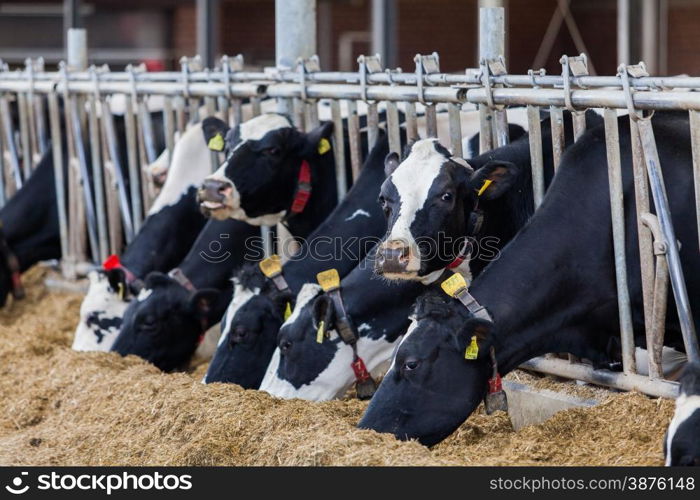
[(624, 71), (188, 65), (572, 66), (532, 75), (368, 66), (491, 67), (305, 66), (425, 65), (133, 71), (230, 65)]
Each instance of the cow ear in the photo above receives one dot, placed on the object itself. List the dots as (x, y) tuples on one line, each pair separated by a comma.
[(283, 303), (155, 279), (391, 163), (117, 280), (323, 310), (203, 302), (214, 131), (474, 338), (494, 179), (317, 142)]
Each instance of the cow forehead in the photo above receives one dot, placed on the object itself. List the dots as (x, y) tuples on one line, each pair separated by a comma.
[(307, 293), (256, 128), (414, 177)]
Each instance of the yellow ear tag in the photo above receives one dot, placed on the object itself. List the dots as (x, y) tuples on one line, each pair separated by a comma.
[(484, 187), (472, 349), (321, 332), (453, 284), (287, 311), (329, 280), (120, 291), (272, 266), (216, 143), (323, 146)]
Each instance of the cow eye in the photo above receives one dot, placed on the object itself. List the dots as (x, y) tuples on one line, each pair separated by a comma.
[(446, 196), (411, 364), (385, 205), (271, 151), (148, 322)]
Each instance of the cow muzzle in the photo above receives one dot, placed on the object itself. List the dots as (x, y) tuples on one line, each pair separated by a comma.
[(396, 258), (215, 197)]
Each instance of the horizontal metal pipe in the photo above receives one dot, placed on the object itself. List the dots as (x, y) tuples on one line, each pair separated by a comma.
[(374, 92), (586, 373), (588, 98)]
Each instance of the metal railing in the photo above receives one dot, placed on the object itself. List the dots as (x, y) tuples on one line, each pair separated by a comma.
[(104, 210)]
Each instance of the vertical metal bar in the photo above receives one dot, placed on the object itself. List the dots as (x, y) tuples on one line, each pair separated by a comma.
[(453, 112), (295, 31), (501, 127), (650, 35), (373, 124), (149, 140), (10, 141), (656, 323), (535, 137), (133, 165), (695, 140), (111, 140), (663, 212), (339, 150), (207, 30), (411, 122), (83, 178), (169, 127), (210, 106), (24, 140), (236, 113), (431, 120), (180, 120), (98, 181), (298, 115), (3, 185), (392, 126), (255, 106), (312, 114), (354, 136), (492, 33), (617, 212), (646, 251), (59, 180), (623, 31), (485, 129), (40, 120), (579, 121), (556, 116)]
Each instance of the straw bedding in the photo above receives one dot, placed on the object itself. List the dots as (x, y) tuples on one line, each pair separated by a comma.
[(59, 407)]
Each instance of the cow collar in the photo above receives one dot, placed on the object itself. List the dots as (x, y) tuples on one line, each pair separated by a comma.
[(13, 265), (365, 385), (303, 189), (185, 282), (113, 262)]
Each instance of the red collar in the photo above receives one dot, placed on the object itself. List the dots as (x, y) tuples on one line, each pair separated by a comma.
[(457, 262), (303, 193), (113, 262)]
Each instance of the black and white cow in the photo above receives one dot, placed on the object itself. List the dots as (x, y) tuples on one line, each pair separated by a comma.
[(553, 289), (171, 313), (431, 204), (252, 320), (174, 211), (272, 173), (29, 223), (259, 144), (682, 441)]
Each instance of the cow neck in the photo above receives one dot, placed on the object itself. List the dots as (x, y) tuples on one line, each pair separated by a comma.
[(315, 194), (559, 278), (12, 263)]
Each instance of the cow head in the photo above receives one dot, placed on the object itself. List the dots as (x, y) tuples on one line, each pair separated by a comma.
[(164, 323), (429, 200), (430, 388), (249, 330), (258, 180), (303, 367), (681, 445), (101, 311)]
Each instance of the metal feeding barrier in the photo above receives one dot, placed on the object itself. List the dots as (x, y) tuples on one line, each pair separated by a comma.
[(107, 196)]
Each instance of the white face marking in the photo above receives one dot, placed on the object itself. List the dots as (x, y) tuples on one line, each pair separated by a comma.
[(357, 213), (241, 295), (106, 305), (685, 407), (144, 293), (364, 327), (413, 179), (409, 330), (191, 163), (308, 292), (252, 130), (335, 380)]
